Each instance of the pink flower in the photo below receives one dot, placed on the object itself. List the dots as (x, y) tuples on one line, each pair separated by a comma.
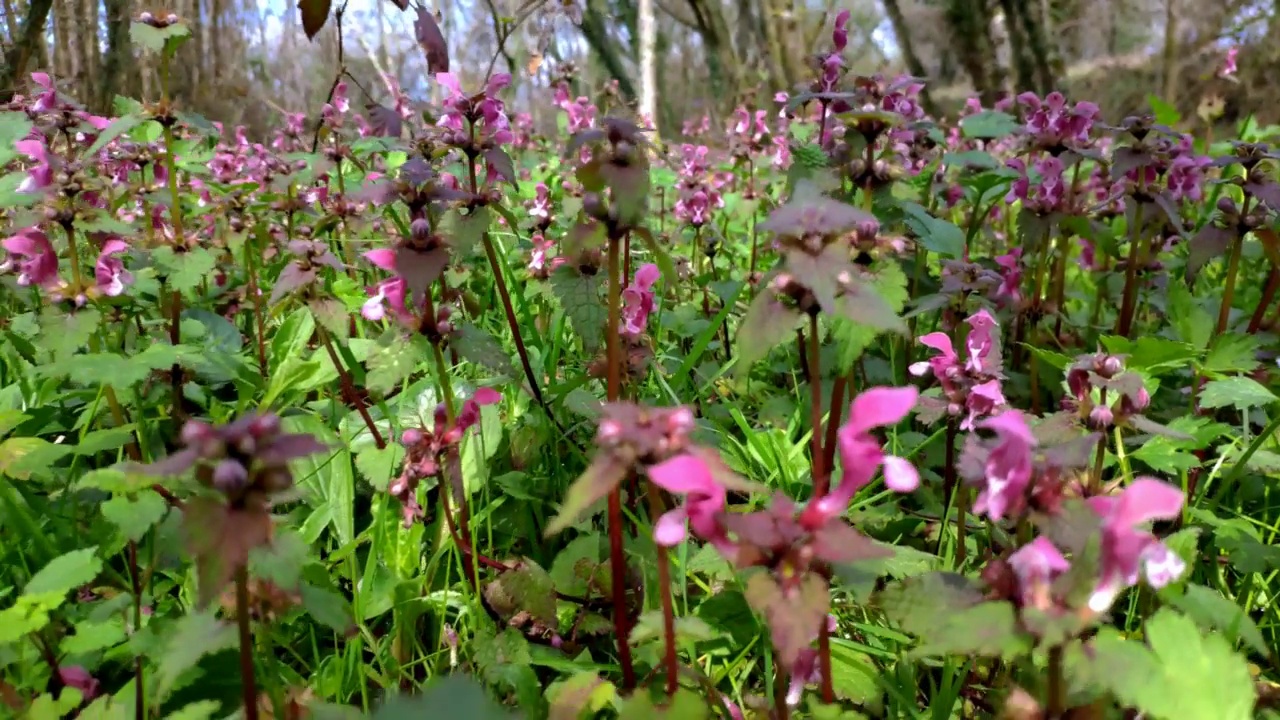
[(39, 265), (981, 340), (637, 301), (840, 33), (1010, 276), (945, 365), (47, 100), (861, 455), (40, 175), (470, 414), (1229, 62), (541, 204), (1008, 468), (1036, 565), (1128, 552), (109, 272), (1052, 124), (705, 498), (74, 676), (392, 291)]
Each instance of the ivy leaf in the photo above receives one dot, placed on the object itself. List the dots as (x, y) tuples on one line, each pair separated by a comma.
[(604, 474), (579, 294), (315, 13), (65, 573), (481, 348), (1239, 392), (766, 324)]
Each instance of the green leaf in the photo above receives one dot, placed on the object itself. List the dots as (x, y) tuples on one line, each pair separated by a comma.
[(481, 348), (688, 629), (394, 360), (1231, 353), (989, 124), (200, 710), (66, 573), (684, 705), (29, 614), (327, 475), (1165, 113), (23, 457), (194, 636), (118, 127), (378, 467), (579, 294), (459, 695), (328, 608), (134, 517), (853, 674), (186, 271), (1212, 611), (584, 692), (291, 338), (1194, 324), (158, 40), (1239, 392), (934, 234), (14, 126), (888, 279), (527, 588), (1204, 679), (989, 629), (564, 569)]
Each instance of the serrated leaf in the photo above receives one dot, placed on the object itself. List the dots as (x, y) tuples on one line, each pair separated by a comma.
[(794, 617), (989, 629), (1212, 611), (134, 517), (158, 40), (890, 282), (583, 692), (394, 360), (688, 629), (934, 234), (579, 295), (460, 695), (989, 124), (118, 127), (1204, 679), (378, 467), (684, 705), (28, 614), (328, 608), (65, 573), (1239, 392), (853, 675), (528, 588), (603, 475), (922, 603), (1231, 353), (766, 324), (194, 636), (481, 348), (564, 569)]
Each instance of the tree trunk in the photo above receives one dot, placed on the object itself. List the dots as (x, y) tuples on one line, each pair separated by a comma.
[(1033, 29), (117, 72), (1169, 62), (903, 35), (969, 29), (648, 31), (25, 46), (595, 32), (1023, 66)]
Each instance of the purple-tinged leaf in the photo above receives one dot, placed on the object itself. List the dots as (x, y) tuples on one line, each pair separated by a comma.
[(420, 268), (1268, 192), (175, 464), (434, 46), (500, 162), (1125, 159), (384, 121), (290, 279), (1211, 242), (604, 474), (766, 324), (220, 538), (794, 615), (290, 446), (315, 13), (838, 543), (815, 215)]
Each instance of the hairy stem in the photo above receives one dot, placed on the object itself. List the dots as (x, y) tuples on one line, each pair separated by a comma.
[(617, 560), (135, 578), (820, 482), (1056, 701), (669, 659), (348, 389), (1229, 292), (249, 690), (260, 333), (1129, 302)]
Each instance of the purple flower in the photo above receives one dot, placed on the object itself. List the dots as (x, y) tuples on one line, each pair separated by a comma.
[(945, 365), (1186, 176), (470, 414), (840, 33), (637, 301), (861, 454), (40, 175), (1010, 276), (981, 340), (1052, 124), (109, 272), (705, 498), (39, 263), (541, 206), (1229, 62), (74, 676), (1128, 552), (1036, 565), (1009, 465), (392, 291), (48, 99)]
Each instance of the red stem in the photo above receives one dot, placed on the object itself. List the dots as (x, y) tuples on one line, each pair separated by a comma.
[(617, 558)]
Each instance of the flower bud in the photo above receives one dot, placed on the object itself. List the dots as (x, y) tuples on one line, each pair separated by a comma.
[(229, 475), (1110, 366), (411, 437), (609, 432), (420, 230), (680, 421), (194, 432), (1100, 417)]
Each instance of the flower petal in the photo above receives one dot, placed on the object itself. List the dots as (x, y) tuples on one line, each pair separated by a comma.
[(670, 529), (939, 341), (683, 474), (1147, 499), (900, 475), (1011, 422), (880, 406)]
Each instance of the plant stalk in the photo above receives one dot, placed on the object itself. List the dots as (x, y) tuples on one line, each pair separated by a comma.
[(617, 558), (669, 658), (348, 388), (249, 690), (1229, 292)]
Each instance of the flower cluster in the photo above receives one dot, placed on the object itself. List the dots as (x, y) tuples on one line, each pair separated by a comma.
[(1048, 194), (426, 448), (637, 301), (698, 195), (1054, 125), (970, 388), (1102, 393)]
